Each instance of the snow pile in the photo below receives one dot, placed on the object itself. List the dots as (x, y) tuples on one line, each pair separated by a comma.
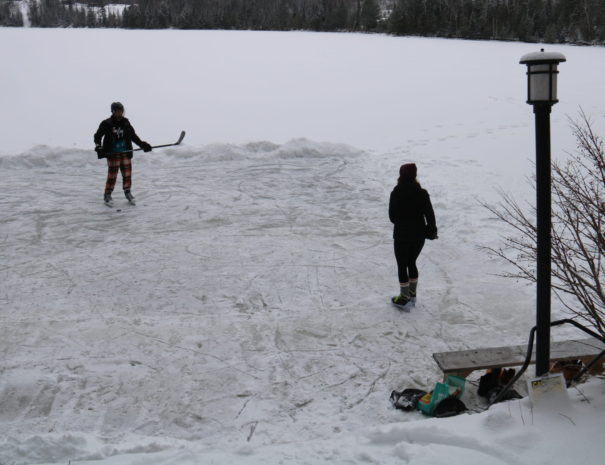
[(55, 448), (296, 148), (509, 433), (42, 156)]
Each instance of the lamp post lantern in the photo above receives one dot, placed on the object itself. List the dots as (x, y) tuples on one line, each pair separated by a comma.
[(542, 95)]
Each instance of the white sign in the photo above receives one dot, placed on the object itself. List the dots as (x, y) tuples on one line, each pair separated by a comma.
[(550, 388)]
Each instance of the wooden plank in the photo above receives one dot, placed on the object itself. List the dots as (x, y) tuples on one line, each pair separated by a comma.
[(466, 361), (579, 348)]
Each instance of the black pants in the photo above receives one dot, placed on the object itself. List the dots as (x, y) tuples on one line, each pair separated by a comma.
[(406, 253)]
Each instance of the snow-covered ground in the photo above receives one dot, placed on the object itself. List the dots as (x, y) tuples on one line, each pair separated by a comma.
[(239, 313)]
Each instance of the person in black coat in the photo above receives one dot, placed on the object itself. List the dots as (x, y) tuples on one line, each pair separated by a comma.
[(411, 212), (113, 140)]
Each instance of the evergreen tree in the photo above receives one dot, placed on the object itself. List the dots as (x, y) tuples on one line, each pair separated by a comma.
[(10, 15), (398, 21), (369, 15)]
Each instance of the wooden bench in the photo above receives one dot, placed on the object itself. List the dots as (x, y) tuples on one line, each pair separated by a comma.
[(463, 362)]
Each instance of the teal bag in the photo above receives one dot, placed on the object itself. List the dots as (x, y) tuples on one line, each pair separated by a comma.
[(453, 387)]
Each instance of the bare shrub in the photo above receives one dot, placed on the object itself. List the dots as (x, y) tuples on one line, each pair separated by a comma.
[(578, 218)]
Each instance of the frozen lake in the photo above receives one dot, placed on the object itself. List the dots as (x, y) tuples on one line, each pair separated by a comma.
[(244, 302)]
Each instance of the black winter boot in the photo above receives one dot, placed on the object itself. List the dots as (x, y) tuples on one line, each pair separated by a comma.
[(129, 197)]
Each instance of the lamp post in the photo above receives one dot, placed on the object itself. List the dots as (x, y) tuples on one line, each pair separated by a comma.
[(542, 95)]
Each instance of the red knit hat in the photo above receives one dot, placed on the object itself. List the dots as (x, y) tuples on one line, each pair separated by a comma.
[(408, 172)]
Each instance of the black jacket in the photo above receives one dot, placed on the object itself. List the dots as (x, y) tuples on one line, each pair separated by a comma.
[(106, 135), (411, 211)]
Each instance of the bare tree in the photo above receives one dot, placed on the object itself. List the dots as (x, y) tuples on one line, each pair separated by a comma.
[(578, 219)]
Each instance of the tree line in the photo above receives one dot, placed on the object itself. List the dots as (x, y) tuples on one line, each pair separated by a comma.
[(573, 21), (565, 21)]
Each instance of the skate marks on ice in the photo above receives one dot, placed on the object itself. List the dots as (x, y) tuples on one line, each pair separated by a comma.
[(248, 291), (220, 306), (464, 291)]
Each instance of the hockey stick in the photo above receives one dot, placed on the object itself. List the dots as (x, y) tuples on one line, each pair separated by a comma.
[(178, 142)]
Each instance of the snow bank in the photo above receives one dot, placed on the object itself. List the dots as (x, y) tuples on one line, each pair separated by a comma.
[(56, 448), (43, 156), (296, 148)]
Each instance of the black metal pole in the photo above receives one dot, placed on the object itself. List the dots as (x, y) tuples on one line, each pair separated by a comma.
[(544, 222)]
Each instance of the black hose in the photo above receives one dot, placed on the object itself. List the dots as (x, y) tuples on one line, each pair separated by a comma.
[(530, 348)]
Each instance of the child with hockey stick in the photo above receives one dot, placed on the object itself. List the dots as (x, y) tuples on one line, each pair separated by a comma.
[(113, 140)]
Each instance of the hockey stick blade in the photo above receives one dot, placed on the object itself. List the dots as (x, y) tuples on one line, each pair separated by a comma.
[(181, 137), (178, 142)]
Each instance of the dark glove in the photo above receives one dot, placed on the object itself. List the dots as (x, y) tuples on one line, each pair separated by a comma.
[(99, 150), (145, 146), (431, 234)]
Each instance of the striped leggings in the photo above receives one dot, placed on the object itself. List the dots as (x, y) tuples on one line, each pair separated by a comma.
[(117, 163)]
